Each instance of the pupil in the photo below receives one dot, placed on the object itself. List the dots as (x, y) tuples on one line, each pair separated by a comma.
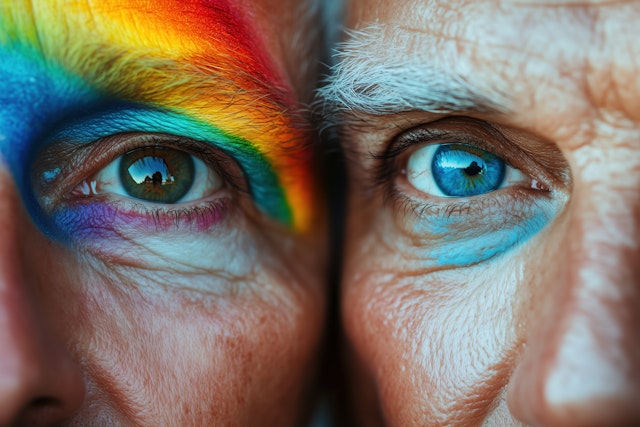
[(473, 169)]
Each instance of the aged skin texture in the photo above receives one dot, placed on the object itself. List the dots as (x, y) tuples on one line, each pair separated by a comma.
[(491, 273), (162, 249)]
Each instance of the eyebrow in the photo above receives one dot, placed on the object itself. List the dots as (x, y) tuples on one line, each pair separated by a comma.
[(361, 81)]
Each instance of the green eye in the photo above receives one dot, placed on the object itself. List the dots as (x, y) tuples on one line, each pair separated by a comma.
[(157, 174), (154, 174)]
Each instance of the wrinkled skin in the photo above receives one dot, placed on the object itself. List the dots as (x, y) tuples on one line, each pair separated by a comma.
[(443, 329), (216, 326)]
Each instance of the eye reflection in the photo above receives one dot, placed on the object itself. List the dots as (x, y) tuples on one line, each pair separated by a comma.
[(140, 169), (156, 174), (459, 170)]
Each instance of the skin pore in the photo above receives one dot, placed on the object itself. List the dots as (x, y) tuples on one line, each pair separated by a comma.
[(517, 306), (122, 311)]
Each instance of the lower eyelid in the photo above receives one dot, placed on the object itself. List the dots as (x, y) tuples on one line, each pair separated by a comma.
[(122, 234), (473, 230), (421, 208), (101, 218)]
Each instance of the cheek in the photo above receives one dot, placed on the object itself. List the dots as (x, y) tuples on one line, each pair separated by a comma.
[(437, 346), (190, 358), (386, 346)]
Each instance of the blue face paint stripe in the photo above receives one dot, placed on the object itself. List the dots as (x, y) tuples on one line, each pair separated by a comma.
[(462, 241)]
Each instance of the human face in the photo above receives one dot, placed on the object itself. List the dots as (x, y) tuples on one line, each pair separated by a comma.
[(505, 291), (195, 298)]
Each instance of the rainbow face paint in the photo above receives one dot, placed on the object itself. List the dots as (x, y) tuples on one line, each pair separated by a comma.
[(81, 71)]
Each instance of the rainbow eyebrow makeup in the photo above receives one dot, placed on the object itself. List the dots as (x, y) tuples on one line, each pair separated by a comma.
[(197, 69)]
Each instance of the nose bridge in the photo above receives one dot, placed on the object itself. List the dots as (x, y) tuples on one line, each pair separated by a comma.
[(594, 349), (16, 322), (601, 247), (38, 380), (602, 272), (19, 366), (581, 365)]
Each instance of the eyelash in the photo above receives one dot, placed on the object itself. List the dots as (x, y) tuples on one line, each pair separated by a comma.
[(96, 156), (393, 161), (470, 207)]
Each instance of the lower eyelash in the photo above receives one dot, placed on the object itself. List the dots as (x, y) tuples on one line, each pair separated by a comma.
[(200, 218), (498, 202), (470, 231), (100, 218)]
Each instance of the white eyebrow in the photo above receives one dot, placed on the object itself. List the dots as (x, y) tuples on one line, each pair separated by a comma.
[(369, 80)]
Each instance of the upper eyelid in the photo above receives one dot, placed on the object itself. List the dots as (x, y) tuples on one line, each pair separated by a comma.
[(99, 154), (433, 133), (472, 131), (414, 138)]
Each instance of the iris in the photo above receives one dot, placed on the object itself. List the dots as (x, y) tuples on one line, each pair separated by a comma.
[(460, 170), (157, 174)]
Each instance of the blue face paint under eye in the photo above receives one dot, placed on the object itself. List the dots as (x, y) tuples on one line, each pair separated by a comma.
[(461, 170), (484, 230)]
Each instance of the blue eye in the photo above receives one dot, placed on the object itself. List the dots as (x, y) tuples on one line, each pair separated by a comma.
[(459, 170), (463, 170)]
